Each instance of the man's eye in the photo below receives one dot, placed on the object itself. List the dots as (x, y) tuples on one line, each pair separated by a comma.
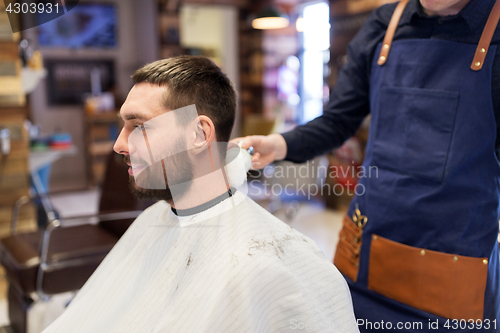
[(141, 127)]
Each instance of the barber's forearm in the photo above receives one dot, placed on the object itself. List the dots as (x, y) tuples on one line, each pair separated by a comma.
[(318, 136), (305, 142), (348, 106)]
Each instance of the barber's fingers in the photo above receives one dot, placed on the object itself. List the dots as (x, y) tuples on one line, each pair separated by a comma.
[(260, 161), (249, 141), (256, 161), (264, 153)]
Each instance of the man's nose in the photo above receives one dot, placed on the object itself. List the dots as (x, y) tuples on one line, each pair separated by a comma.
[(122, 145)]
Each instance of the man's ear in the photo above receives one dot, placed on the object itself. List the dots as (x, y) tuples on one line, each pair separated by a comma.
[(203, 132)]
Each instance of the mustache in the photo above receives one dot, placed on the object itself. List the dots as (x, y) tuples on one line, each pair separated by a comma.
[(126, 160)]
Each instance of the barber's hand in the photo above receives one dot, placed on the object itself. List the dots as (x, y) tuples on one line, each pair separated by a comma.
[(267, 149)]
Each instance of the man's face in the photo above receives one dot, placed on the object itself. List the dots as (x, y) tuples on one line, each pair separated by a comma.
[(153, 144), (443, 7)]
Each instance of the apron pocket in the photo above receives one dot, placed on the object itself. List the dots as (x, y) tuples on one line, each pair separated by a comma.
[(414, 130), (447, 285), (347, 254)]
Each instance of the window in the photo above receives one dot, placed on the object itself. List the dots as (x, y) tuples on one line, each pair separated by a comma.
[(314, 27)]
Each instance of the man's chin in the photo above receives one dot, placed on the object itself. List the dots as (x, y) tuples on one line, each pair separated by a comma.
[(142, 193)]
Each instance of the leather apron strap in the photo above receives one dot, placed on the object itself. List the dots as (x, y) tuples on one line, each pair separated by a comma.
[(484, 42), (482, 48), (391, 30)]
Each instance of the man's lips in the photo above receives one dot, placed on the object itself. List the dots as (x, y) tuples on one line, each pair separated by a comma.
[(136, 169)]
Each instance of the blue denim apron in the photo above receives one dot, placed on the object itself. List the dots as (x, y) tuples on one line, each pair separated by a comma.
[(432, 139)]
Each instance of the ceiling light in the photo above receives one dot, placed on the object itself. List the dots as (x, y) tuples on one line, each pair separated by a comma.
[(270, 18)]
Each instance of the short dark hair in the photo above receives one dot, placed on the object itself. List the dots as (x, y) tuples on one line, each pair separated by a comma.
[(194, 80)]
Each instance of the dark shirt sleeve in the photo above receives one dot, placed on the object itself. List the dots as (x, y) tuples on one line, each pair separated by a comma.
[(495, 94), (349, 101)]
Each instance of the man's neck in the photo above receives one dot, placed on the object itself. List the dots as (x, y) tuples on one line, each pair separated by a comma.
[(201, 190), (451, 10), (205, 206)]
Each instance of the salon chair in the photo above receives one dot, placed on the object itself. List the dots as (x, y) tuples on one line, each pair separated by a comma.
[(60, 258)]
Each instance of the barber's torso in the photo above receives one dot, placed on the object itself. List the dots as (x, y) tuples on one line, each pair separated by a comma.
[(433, 138)]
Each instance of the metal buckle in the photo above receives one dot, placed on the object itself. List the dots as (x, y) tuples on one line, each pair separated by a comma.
[(359, 219)]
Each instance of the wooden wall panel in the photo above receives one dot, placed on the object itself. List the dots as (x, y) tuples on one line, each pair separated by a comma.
[(14, 173)]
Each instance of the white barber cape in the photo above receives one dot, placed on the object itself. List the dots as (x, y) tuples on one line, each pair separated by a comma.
[(232, 267)]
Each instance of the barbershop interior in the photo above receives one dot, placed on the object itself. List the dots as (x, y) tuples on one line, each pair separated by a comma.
[(64, 190)]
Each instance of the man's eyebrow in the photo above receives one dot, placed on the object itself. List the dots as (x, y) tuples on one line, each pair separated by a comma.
[(132, 116)]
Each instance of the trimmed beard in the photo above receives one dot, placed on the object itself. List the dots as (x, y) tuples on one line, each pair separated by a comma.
[(179, 171)]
